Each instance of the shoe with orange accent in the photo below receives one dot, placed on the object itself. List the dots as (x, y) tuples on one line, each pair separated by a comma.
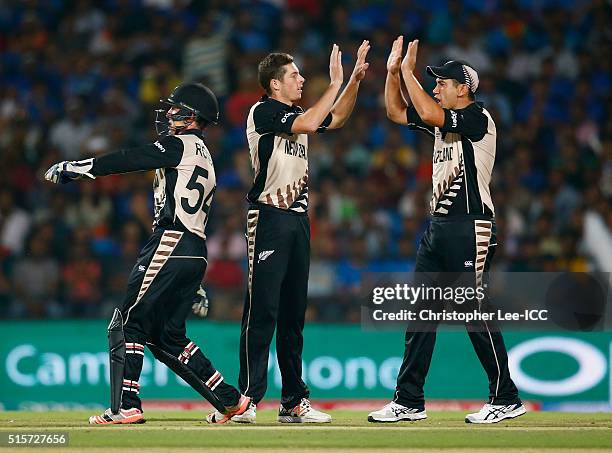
[(219, 418), (302, 413), (248, 416), (125, 416)]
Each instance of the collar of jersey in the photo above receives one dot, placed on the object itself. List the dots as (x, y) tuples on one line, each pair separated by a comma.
[(196, 132), (266, 98), (477, 105)]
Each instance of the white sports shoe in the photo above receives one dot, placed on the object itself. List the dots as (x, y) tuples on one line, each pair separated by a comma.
[(218, 418), (394, 412), (493, 413), (248, 416), (124, 416), (302, 413)]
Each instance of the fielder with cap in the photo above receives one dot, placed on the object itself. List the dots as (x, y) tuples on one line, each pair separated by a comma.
[(461, 236)]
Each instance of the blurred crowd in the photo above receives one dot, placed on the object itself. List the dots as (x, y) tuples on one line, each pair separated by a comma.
[(82, 78)]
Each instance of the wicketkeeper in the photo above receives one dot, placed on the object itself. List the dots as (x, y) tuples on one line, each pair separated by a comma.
[(167, 275)]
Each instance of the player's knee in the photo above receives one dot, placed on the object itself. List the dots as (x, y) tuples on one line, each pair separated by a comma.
[(134, 333)]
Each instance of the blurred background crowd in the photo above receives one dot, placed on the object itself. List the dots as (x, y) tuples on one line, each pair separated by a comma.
[(82, 78)]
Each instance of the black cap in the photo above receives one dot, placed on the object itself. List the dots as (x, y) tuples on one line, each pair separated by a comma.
[(458, 70)]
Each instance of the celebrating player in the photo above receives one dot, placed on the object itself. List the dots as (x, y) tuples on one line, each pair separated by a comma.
[(166, 278), (461, 236), (278, 229)]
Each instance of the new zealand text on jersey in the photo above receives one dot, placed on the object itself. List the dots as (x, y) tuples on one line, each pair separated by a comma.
[(443, 155), (295, 149)]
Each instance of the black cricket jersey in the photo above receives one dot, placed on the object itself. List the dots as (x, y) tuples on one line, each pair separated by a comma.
[(463, 159), (184, 182), (279, 157)]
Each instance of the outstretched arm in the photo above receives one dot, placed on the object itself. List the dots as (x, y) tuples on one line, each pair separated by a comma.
[(312, 118), (166, 152), (343, 107), (427, 108), (395, 104)]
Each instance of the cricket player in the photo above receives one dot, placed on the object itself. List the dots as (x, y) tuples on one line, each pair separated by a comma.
[(461, 236), (167, 275), (278, 229)]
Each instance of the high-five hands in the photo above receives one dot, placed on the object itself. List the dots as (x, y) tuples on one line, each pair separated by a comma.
[(395, 57), (336, 74), (409, 61), (360, 65), (395, 61)]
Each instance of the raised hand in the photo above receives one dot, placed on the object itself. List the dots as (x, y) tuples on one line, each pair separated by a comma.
[(409, 61), (336, 73), (395, 57), (360, 65)]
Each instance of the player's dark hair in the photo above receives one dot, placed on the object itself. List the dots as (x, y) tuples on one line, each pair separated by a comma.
[(272, 67), (470, 93)]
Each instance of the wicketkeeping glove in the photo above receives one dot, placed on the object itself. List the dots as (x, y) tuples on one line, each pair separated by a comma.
[(200, 303), (67, 171)]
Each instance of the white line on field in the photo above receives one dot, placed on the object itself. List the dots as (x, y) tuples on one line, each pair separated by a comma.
[(234, 427)]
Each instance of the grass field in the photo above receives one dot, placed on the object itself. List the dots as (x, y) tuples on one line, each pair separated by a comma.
[(349, 430)]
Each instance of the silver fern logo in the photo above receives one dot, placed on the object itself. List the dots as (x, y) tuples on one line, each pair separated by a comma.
[(264, 255)]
